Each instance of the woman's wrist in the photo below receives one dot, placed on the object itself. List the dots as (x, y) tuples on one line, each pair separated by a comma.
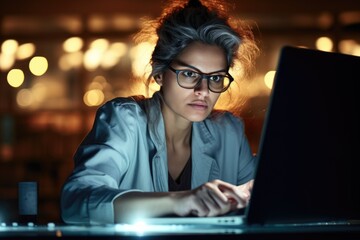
[(180, 202), (138, 205)]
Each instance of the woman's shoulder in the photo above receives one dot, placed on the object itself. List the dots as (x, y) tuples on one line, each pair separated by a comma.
[(123, 102), (123, 108), (132, 100)]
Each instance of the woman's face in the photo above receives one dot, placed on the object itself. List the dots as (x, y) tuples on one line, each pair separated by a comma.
[(192, 104)]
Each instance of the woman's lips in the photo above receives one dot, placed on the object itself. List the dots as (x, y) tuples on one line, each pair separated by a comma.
[(199, 105)]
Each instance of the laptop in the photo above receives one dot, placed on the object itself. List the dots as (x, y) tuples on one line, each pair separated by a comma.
[(307, 162)]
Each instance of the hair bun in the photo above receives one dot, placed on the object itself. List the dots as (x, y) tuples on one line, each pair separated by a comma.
[(194, 3)]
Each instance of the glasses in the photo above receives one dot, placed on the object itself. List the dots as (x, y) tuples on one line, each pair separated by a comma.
[(189, 79)]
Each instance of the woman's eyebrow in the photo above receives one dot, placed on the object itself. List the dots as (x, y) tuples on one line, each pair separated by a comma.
[(181, 63)]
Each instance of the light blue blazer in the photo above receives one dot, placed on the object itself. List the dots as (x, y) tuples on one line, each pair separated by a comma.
[(126, 151)]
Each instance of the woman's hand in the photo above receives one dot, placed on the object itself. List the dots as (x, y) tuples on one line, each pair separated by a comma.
[(212, 199)]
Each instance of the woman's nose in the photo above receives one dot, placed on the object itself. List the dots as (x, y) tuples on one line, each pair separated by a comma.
[(202, 87)]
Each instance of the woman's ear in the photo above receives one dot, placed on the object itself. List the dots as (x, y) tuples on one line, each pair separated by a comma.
[(159, 79)]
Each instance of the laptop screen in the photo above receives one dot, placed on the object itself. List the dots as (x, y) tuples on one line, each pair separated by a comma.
[(308, 154)]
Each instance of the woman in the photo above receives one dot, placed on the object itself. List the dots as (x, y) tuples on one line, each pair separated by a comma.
[(170, 154)]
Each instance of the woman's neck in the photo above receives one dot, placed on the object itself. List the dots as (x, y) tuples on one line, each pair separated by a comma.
[(177, 133), (177, 129)]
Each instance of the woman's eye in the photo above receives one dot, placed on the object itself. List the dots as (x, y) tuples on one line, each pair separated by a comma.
[(216, 78), (189, 74)]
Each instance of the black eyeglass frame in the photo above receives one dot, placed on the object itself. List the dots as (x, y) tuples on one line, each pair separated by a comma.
[(202, 76)]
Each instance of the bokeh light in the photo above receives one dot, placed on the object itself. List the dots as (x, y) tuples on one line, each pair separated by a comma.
[(349, 46), (6, 61), (38, 65), (25, 50), (24, 98), (94, 97), (15, 77), (71, 60), (324, 44), (269, 79), (9, 47), (73, 44)]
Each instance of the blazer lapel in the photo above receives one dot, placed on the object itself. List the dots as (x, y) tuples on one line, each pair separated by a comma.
[(204, 166), (204, 169), (157, 134)]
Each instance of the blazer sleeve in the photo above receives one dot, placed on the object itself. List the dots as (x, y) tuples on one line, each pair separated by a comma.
[(101, 161)]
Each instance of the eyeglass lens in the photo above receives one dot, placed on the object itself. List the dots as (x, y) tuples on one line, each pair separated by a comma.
[(190, 79)]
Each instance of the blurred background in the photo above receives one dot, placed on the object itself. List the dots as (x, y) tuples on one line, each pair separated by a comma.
[(61, 59)]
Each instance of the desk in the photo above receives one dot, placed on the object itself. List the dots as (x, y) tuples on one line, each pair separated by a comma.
[(123, 231)]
